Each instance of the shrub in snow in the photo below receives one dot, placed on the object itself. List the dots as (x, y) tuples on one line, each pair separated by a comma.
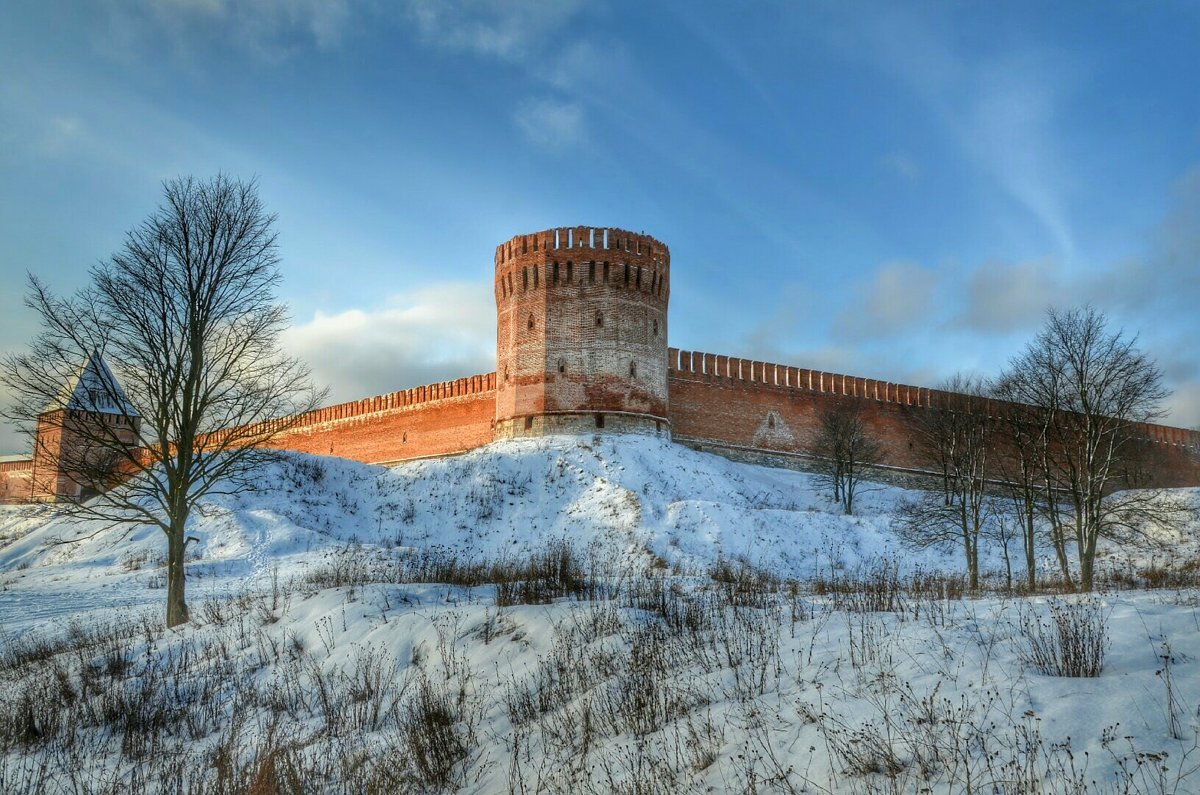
[(1069, 641)]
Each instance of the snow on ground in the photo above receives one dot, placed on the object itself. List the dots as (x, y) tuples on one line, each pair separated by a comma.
[(632, 495), (746, 692)]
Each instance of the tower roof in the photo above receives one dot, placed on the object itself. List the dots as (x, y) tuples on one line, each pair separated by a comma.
[(94, 388)]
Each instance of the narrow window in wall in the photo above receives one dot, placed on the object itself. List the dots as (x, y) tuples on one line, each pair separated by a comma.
[(562, 367), (569, 273), (528, 423), (556, 273), (639, 278), (606, 273), (531, 323), (771, 421), (599, 320), (626, 274), (535, 277), (655, 326), (599, 420), (524, 279), (510, 287), (535, 243), (592, 272), (633, 369)]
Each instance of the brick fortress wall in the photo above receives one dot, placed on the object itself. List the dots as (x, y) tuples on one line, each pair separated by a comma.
[(438, 419), (770, 413), (16, 481)]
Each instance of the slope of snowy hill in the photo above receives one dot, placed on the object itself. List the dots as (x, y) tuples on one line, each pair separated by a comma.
[(632, 496), (310, 666)]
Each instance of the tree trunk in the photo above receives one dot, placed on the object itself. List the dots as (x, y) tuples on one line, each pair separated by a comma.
[(1087, 560), (177, 611), (1030, 527)]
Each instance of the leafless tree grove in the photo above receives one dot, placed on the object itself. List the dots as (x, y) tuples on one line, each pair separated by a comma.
[(956, 441), (847, 450), (185, 316), (1083, 388)]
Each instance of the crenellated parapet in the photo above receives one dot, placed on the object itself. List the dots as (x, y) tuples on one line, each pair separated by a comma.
[(578, 257), (768, 375), (415, 397)]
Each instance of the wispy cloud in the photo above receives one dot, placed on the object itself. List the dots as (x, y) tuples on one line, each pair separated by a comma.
[(902, 165), (511, 30), (898, 297), (270, 29), (1003, 113), (550, 123), (1005, 297)]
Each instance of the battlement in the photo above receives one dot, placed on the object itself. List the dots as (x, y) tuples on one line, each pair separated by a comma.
[(785, 376), (402, 399), (582, 257), (561, 241)]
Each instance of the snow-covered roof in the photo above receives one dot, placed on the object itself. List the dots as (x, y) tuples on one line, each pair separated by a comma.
[(95, 388)]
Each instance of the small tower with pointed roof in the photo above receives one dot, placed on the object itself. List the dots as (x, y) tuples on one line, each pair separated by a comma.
[(78, 431)]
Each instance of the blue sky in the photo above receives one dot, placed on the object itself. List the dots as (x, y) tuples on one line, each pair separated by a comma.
[(891, 190)]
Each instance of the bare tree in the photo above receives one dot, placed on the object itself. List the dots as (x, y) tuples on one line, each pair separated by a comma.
[(1091, 386), (847, 450), (956, 440), (185, 315), (1021, 431)]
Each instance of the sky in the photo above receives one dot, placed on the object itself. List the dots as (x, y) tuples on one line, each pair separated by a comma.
[(896, 191)]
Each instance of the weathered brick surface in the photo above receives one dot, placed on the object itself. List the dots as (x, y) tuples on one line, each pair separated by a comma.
[(581, 325), (438, 419), (741, 408), (16, 481)]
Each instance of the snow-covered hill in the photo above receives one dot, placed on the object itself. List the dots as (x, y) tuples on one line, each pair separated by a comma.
[(691, 676), (634, 496)]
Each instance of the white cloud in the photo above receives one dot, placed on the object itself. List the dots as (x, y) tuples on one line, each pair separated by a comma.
[(1183, 406), (434, 333), (550, 123)]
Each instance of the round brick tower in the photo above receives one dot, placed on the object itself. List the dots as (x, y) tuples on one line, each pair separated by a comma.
[(581, 332)]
